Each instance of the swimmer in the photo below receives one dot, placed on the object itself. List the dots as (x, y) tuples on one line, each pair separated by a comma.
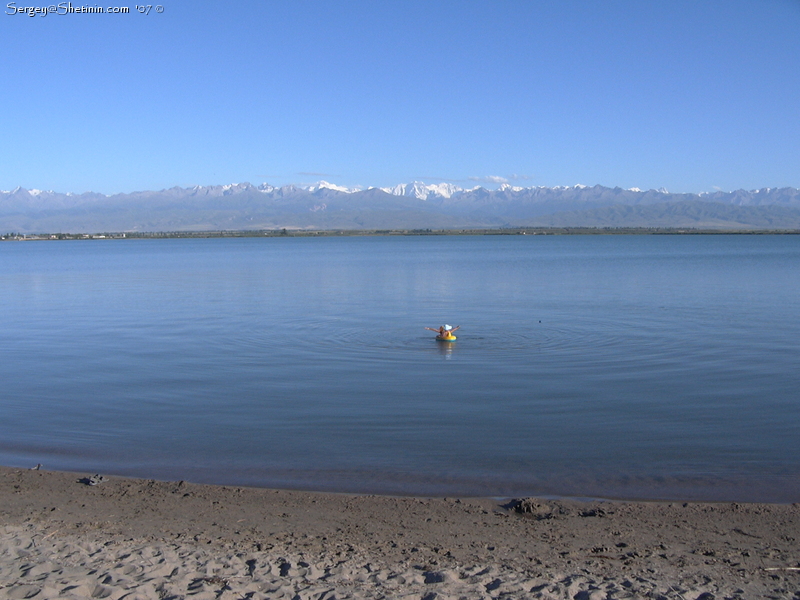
[(444, 330)]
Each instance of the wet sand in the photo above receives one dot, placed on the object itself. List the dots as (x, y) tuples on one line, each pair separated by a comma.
[(131, 538)]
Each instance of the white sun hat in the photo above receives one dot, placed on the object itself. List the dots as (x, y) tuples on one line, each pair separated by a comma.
[(447, 328)]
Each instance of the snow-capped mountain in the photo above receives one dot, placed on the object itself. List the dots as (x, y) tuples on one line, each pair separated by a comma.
[(324, 185), (421, 191), (415, 205)]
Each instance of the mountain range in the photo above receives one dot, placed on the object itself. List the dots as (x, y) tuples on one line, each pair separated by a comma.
[(416, 205)]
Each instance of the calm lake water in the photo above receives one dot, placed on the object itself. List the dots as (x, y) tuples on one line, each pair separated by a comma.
[(591, 366)]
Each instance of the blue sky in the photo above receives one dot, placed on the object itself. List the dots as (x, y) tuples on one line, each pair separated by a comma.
[(688, 95)]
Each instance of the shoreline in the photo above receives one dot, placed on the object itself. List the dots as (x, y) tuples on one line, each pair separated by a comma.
[(768, 488), (478, 231), (140, 538)]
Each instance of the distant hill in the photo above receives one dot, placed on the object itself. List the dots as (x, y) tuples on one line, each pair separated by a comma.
[(407, 206)]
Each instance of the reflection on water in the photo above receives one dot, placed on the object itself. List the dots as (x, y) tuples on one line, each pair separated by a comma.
[(622, 366), (445, 348)]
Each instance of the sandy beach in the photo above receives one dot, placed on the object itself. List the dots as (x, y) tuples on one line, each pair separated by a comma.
[(130, 538)]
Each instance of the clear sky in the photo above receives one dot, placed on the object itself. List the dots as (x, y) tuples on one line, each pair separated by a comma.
[(690, 95)]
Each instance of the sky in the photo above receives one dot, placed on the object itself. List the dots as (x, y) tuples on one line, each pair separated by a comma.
[(687, 95)]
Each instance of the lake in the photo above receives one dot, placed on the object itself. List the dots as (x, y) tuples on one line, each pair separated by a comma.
[(616, 366)]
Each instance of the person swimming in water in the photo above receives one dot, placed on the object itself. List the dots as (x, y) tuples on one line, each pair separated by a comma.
[(444, 330)]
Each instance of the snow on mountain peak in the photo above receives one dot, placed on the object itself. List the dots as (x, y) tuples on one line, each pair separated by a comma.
[(422, 191), (324, 185)]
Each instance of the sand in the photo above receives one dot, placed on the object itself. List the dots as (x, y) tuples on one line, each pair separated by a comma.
[(130, 538)]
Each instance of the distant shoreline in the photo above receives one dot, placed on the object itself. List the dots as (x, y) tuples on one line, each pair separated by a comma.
[(283, 233)]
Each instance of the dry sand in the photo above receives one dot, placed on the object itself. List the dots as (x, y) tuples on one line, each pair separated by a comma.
[(129, 538)]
